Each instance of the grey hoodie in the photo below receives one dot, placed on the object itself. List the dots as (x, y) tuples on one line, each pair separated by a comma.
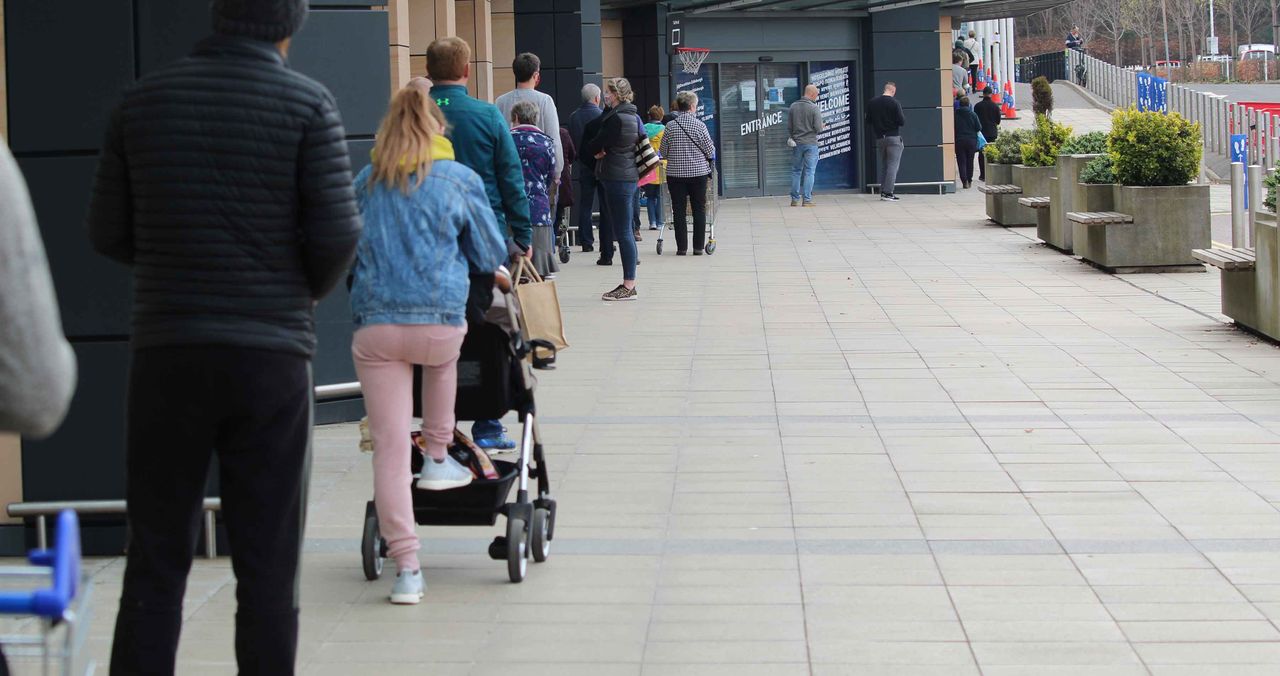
[(805, 122), (37, 366)]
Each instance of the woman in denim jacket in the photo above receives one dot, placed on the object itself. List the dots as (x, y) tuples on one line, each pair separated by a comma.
[(428, 224)]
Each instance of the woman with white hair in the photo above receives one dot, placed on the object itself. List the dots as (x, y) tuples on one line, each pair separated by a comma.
[(538, 161), (689, 151)]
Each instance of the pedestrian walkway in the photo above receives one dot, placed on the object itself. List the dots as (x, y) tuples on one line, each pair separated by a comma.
[(864, 438)]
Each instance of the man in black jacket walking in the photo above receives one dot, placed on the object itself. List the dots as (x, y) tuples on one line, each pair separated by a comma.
[(989, 115), (884, 116), (225, 184)]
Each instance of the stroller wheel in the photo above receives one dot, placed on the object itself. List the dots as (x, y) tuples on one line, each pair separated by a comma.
[(659, 247), (710, 248), (371, 547), (539, 536), (564, 254), (517, 549)]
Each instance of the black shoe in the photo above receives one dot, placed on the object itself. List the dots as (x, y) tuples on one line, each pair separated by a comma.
[(604, 262), (587, 248), (697, 252), (682, 253)]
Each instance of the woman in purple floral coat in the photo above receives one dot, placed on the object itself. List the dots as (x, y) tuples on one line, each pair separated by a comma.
[(538, 159)]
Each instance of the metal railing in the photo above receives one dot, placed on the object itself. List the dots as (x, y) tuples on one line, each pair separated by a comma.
[(1052, 66), (1219, 118), (42, 510)]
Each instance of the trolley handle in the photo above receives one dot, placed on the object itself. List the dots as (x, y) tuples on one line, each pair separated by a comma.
[(64, 561)]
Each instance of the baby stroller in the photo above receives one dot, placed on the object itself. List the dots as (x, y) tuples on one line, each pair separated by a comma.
[(713, 207), (493, 379)]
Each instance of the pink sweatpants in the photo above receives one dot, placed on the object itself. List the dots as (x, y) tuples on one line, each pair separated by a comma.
[(384, 355)]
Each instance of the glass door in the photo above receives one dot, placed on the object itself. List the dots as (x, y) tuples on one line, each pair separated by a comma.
[(755, 159)]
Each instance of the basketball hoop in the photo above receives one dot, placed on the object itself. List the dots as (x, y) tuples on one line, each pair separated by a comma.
[(692, 57)]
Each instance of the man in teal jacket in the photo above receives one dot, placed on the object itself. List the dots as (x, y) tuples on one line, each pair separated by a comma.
[(481, 138), (482, 141)]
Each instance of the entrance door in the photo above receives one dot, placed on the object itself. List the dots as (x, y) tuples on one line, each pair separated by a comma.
[(755, 159)]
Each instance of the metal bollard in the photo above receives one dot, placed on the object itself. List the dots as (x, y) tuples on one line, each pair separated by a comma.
[(1237, 204), (1255, 202)]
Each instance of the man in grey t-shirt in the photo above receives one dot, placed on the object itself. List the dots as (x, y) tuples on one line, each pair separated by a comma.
[(805, 123), (528, 67)]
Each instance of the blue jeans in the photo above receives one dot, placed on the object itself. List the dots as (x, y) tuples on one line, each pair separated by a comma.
[(620, 198), (804, 164), (653, 192)]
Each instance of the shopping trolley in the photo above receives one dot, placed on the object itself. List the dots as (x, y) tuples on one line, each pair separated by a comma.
[(60, 611), (713, 206)]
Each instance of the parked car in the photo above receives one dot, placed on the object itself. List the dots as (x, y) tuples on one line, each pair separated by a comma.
[(1257, 55), (1213, 58), (1169, 64)]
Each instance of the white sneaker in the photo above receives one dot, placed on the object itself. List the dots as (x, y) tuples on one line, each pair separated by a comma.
[(443, 475), (409, 588)]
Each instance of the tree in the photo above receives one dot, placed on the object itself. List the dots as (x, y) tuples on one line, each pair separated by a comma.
[(1080, 13), (1113, 17)]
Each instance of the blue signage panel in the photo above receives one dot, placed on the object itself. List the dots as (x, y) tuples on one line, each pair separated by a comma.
[(1240, 153), (837, 156), (703, 83), (1152, 93)]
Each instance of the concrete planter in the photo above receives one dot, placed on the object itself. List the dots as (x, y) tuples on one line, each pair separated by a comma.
[(1168, 222), (1250, 296), (1034, 181), (1057, 231), (999, 174)]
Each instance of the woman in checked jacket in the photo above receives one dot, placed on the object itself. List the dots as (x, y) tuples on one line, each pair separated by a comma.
[(689, 151)]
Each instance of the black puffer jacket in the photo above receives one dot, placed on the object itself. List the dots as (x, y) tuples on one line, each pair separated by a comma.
[(226, 185)]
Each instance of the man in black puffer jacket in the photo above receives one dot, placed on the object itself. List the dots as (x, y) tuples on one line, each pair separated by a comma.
[(225, 185)]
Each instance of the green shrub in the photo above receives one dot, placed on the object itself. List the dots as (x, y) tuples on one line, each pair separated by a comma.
[(1041, 96), (1046, 142), (1271, 181), (1092, 143), (1151, 148), (1098, 170), (1007, 148)]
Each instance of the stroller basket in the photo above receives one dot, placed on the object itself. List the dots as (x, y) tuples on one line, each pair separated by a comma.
[(476, 504)]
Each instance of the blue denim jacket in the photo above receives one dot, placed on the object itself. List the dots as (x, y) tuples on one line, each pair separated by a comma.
[(417, 250)]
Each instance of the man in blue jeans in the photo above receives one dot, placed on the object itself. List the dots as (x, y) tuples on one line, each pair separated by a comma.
[(805, 123)]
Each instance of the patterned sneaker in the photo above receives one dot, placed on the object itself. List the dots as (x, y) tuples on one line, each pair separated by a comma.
[(409, 588), (620, 293), (809, 204), (441, 475), (795, 203), (890, 198)]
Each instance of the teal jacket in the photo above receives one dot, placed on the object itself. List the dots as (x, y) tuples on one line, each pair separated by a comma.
[(482, 142)]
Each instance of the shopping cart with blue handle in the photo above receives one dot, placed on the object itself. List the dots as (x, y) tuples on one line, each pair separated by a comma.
[(59, 611)]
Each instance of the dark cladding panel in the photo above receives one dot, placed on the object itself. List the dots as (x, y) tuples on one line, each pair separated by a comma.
[(334, 330), (68, 62), (568, 47), (908, 19), (93, 291), (359, 151), (924, 126), (592, 53), (911, 51), (84, 460), (357, 73), (535, 6), (568, 93), (921, 164), (916, 88), (169, 29), (536, 33)]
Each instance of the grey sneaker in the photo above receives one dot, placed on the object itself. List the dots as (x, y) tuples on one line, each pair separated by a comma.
[(409, 588), (620, 293), (795, 203), (443, 475)]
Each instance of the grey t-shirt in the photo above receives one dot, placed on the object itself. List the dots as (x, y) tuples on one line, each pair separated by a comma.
[(37, 366), (805, 122), (959, 77)]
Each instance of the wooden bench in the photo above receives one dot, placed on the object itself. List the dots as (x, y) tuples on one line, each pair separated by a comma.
[(1034, 202), (1099, 218), (1008, 189), (1227, 259)]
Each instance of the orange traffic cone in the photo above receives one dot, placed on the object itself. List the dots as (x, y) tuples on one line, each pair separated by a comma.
[(981, 80), (1008, 109)]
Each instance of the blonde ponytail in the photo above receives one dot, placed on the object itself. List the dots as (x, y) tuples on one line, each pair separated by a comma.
[(403, 146)]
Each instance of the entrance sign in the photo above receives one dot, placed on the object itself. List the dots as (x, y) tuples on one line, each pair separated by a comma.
[(837, 161)]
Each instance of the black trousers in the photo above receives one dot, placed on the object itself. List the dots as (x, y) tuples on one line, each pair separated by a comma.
[(252, 409), (965, 150), (683, 191)]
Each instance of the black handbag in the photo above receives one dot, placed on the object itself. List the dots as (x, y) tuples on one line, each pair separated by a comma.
[(647, 159)]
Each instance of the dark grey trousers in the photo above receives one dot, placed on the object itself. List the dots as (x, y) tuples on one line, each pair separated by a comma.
[(889, 150)]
